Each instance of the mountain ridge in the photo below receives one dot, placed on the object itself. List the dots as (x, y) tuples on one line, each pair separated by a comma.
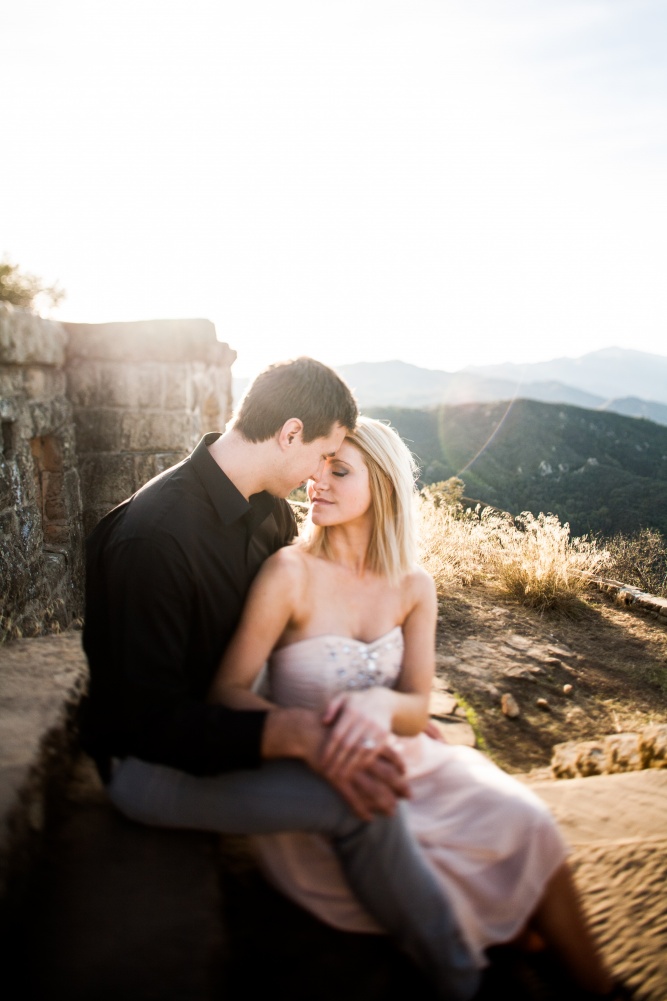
[(601, 472), (399, 383)]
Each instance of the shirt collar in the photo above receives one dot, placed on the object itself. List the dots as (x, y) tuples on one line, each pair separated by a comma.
[(228, 501)]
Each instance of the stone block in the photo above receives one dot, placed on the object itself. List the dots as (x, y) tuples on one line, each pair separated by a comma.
[(134, 386), (622, 752), (93, 515), (98, 430), (11, 385), (575, 758), (72, 493), (83, 383), (653, 746), (7, 487), (48, 415), (106, 480), (55, 568), (26, 339), (147, 465), (41, 383), (146, 340), (158, 432), (181, 387)]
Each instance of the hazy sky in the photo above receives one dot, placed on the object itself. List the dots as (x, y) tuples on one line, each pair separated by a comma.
[(449, 182)]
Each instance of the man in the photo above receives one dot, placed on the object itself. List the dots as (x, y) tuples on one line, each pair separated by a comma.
[(167, 574)]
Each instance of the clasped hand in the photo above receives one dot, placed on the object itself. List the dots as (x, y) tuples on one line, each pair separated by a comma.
[(357, 757)]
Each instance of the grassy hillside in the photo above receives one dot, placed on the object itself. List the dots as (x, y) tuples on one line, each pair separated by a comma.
[(599, 471)]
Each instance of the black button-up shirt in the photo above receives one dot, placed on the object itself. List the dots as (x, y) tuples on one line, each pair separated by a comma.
[(167, 574)]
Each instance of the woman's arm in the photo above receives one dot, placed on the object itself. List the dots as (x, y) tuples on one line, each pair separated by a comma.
[(272, 601), (279, 596), (368, 716)]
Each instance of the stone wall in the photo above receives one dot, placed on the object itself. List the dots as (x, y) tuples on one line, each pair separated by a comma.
[(40, 501), (89, 412), (143, 394)]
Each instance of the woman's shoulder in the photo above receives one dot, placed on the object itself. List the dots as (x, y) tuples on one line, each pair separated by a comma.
[(419, 586), (287, 559), (289, 563)]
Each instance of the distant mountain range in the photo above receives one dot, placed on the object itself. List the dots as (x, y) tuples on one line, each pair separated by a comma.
[(633, 383), (599, 471), (561, 436)]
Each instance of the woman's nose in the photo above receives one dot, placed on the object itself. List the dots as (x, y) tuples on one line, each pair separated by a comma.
[(320, 479)]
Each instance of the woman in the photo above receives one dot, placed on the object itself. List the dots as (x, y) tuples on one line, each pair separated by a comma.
[(349, 621)]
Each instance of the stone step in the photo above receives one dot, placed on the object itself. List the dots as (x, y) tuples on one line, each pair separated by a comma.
[(122, 911), (617, 828)]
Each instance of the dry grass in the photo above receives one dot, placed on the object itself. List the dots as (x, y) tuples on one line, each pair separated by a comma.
[(533, 559)]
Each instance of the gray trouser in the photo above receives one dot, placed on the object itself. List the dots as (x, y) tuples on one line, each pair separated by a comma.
[(382, 861)]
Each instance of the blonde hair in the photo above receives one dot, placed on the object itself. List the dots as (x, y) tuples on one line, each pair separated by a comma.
[(392, 471)]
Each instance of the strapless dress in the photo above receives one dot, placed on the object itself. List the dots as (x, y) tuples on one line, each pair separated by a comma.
[(492, 843)]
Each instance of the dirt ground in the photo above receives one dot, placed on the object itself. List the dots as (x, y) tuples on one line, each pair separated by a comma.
[(613, 657)]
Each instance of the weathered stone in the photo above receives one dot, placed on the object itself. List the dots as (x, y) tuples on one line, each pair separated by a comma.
[(142, 395), (83, 383), (518, 642), (622, 752), (158, 432), (509, 705), (543, 704), (180, 387), (564, 760), (518, 671), (106, 479), (567, 689), (442, 704), (560, 651), (98, 430), (148, 466), (653, 746), (26, 339), (578, 758), (456, 732), (144, 340)]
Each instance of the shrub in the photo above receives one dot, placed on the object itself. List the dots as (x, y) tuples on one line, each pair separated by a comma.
[(640, 560), (537, 562), (530, 558)]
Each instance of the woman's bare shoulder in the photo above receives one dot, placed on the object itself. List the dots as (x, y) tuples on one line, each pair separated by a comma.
[(419, 586), (290, 560)]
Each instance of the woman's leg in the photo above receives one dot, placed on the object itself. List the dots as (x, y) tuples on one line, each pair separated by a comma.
[(560, 921)]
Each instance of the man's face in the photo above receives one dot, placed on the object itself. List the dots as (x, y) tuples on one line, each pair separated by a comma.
[(305, 460)]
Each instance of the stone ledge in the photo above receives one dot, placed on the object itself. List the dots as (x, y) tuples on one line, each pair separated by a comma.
[(42, 680), (625, 594)]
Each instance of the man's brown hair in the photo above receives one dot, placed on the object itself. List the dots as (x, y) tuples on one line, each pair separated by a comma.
[(302, 388)]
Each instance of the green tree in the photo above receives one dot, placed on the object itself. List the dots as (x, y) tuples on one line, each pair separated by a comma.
[(25, 290)]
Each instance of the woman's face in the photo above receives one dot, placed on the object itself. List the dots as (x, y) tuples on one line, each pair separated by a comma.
[(341, 492)]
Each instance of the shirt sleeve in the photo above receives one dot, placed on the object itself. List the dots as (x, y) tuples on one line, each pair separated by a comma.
[(142, 703)]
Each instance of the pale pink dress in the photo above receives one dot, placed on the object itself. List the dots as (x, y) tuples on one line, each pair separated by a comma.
[(491, 841)]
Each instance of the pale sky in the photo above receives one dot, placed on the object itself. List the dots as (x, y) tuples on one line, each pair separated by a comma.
[(448, 182)]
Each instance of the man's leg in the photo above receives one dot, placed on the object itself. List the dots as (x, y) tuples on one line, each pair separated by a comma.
[(381, 859)]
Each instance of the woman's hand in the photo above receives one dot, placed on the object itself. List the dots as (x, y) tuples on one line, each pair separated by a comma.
[(360, 727)]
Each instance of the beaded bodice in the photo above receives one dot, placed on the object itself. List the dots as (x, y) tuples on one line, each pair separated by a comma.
[(310, 672)]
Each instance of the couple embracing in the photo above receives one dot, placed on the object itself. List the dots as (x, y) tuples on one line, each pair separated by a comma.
[(356, 813)]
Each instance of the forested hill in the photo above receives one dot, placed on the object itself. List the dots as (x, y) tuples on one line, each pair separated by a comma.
[(599, 471)]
